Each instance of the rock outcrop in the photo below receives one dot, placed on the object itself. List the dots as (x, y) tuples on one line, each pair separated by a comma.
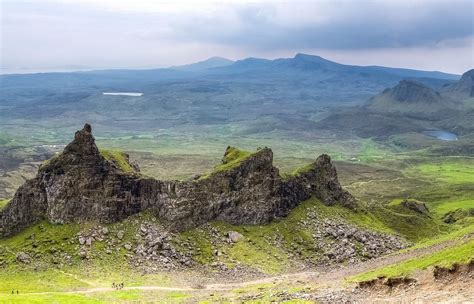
[(81, 185)]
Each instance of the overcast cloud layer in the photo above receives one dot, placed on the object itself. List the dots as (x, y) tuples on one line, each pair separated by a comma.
[(49, 35)]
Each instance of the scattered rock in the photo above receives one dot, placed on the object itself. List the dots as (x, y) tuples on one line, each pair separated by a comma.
[(82, 240), (234, 236), (120, 234), (416, 206), (83, 254), (23, 257)]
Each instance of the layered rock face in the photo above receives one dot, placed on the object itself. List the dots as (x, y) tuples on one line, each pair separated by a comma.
[(81, 185)]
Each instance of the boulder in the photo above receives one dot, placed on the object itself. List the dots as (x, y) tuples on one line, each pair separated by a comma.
[(234, 236), (23, 257)]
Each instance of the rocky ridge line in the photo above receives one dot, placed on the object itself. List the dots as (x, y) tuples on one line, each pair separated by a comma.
[(81, 185)]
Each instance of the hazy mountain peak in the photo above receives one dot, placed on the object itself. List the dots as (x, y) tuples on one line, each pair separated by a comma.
[(212, 62), (312, 58), (410, 96), (464, 88), (413, 92), (468, 75)]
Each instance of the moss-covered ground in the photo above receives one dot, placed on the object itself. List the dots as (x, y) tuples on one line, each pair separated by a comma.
[(3, 203), (118, 158)]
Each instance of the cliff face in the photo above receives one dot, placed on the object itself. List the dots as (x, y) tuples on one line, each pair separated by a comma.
[(80, 185)]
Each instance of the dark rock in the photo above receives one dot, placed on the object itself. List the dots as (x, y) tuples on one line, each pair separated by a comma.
[(416, 206), (23, 258), (80, 185), (458, 214)]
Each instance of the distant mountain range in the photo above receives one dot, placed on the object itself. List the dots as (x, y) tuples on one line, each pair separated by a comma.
[(249, 96)]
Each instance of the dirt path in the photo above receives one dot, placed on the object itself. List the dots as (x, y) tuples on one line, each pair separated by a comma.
[(334, 276), (330, 278)]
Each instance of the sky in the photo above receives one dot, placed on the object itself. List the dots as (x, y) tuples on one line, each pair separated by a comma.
[(48, 35)]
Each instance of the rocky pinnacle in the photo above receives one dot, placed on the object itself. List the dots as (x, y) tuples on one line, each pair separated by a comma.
[(81, 185)]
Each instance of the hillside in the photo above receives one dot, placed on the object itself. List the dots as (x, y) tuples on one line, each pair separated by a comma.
[(90, 218), (410, 97), (409, 109), (462, 89)]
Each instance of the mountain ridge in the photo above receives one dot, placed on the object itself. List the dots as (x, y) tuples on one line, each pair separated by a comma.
[(80, 184)]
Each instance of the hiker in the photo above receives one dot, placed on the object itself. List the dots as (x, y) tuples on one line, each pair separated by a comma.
[(13, 291), (17, 292)]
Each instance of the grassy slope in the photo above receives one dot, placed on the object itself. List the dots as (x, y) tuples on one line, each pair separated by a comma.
[(118, 158), (233, 157), (257, 250), (459, 254), (449, 191), (3, 203)]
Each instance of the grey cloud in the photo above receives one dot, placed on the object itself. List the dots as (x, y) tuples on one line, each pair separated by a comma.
[(349, 25), (44, 34)]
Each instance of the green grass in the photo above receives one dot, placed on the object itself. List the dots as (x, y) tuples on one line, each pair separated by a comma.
[(256, 249), (293, 234), (452, 235), (450, 171), (49, 298), (460, 254), (446, 206), (233, 157), (3, 203), (120, 296), (298, 171), (119, 158), (372, 151)]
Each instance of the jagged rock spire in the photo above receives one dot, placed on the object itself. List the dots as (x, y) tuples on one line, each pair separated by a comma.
[(83, 144)]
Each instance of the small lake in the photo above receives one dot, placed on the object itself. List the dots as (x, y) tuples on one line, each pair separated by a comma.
[(440, 134), (136, 94)]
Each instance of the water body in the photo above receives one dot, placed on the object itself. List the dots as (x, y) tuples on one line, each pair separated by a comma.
[(440, 134), (136, 94)]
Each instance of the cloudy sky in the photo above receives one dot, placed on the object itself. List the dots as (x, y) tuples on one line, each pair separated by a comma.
[(84, 34)]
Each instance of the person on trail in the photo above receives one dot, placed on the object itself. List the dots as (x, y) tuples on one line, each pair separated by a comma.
[(17, 292), (13, 291)]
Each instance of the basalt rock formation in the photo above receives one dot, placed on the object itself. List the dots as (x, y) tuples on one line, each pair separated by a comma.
[(81, 185)]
